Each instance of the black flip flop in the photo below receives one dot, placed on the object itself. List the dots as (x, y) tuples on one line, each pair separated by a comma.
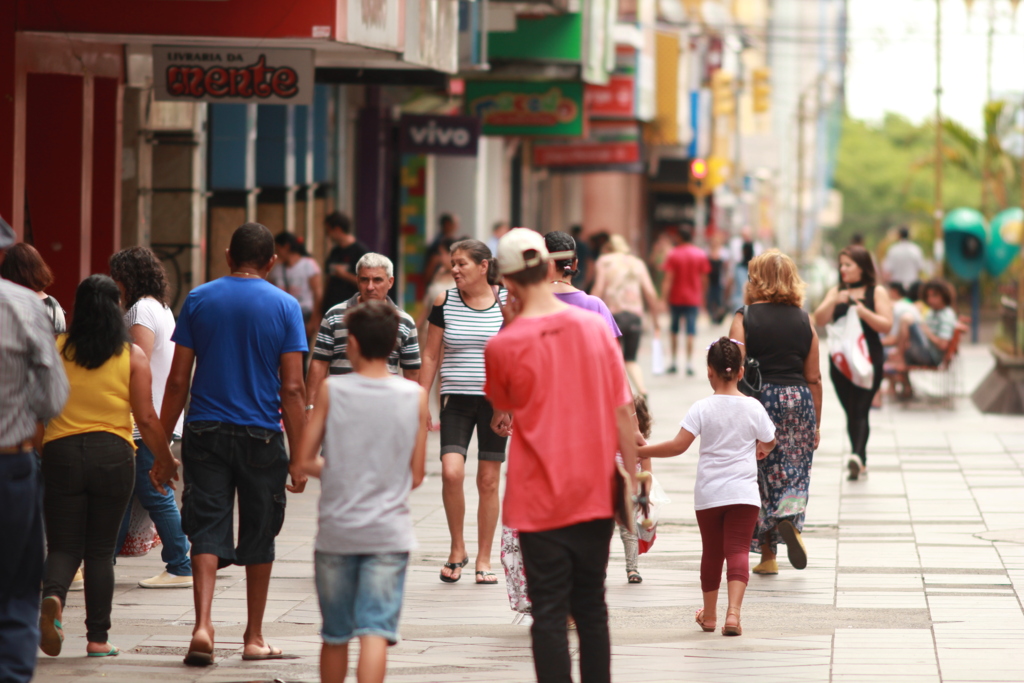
[(197, 658), (485, 575), (634, 577), (453, 566)]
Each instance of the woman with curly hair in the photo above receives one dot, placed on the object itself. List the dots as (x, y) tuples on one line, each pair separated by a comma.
[(143, 283), (778, 333)]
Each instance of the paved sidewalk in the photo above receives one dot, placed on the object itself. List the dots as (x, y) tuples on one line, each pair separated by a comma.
[(915, 576)]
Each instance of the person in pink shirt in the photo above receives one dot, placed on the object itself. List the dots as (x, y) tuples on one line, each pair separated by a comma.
[(559, 491), (686, 278)]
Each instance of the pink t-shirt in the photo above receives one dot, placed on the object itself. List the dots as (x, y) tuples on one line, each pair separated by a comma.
[(562, 377), (687, 264)]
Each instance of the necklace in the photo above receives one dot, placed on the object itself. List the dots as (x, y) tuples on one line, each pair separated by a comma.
[(239, 273), (561, 282)]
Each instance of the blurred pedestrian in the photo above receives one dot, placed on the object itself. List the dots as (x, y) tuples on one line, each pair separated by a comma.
[(144, 290), (89, 460), (742, 248), (448, 225), (779, 335), (462, 321), (298, 274), (559, 491), (719, 278), (340, 267), (686, 279), (630, 541), (330, 354), (498, 231), (668, 239), (735, 432), (858, 288), (245, 339), (583, 278), (365, 532), (33, 389), (926, 343), (904, 261), (24, 266), (624, 283)]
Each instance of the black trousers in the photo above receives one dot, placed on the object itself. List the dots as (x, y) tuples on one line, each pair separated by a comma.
[(856, 401), (565, 574), (88, 482), (21, 565)]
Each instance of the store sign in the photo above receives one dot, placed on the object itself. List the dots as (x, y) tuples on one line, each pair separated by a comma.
[(507, 108), (444, 135), (609, 146), (615, 100), (232, 74)]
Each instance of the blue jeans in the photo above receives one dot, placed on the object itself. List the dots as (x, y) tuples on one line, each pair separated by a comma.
[(360, 595), (164, 512), (21, 565)]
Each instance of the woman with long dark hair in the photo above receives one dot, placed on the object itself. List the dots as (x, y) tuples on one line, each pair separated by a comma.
[(89, 460), (143, 282), (858, 288)]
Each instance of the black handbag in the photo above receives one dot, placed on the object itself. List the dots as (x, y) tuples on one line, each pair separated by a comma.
[(750, 383)]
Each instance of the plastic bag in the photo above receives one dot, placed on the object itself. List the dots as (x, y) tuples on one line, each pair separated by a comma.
[(657, 357), (849, 349), (142, 536), (646, 537)]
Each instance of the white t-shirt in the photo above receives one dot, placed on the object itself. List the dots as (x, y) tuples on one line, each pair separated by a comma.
[(157, 318), (728, 427), (904, 262), (295, 280)]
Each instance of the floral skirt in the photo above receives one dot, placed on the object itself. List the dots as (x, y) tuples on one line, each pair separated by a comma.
[(784, 477)]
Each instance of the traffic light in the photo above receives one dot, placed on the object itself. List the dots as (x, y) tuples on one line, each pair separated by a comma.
[(698, 177), (723, 94), (762, 88)]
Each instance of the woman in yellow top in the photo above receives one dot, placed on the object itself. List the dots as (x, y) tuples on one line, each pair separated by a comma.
[(89, 459)]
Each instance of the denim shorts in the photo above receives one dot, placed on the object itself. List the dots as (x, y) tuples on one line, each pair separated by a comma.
[(921, 351), (460, 415), (688, 312), (220, 459), (360, 595)]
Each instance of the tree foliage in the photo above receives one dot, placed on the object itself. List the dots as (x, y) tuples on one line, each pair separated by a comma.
[(885, 173)]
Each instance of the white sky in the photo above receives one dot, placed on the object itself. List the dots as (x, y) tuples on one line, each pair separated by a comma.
[(891, 64)]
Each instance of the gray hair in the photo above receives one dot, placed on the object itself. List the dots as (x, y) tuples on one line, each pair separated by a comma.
[(374, 260)]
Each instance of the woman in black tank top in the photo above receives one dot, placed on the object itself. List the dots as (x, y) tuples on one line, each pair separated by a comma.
[(778, 333), (858, 288)]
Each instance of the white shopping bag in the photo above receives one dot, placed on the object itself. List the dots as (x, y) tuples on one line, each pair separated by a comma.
[(657, 357), (849, 349)]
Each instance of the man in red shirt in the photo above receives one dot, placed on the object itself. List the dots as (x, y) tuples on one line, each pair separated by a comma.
[(560, 485), (686, 278)]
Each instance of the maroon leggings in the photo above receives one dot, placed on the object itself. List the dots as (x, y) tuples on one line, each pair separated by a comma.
[(725, 533)]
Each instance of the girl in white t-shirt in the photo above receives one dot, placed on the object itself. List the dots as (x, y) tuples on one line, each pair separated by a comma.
[(735, 432)]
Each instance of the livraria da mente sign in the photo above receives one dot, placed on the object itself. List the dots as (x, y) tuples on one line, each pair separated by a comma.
[(222, 74)]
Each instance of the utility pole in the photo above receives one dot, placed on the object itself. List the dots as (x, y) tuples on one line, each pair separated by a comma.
[(937, 248), (801, 146)]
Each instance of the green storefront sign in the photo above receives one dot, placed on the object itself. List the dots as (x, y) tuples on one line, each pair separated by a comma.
[(518, 108)]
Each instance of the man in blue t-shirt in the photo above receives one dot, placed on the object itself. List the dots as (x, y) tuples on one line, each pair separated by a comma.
[(245, 338)]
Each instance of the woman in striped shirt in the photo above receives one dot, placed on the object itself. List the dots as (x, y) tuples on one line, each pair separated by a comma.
[(462, 321)]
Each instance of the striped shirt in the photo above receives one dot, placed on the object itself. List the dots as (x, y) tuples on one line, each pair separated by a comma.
[(332, 341), (33, 385), (466, 333)]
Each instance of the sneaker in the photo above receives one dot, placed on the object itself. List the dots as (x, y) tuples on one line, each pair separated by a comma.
[(689, 370), (856, 467), (671, 370), (78, 583), (165, 580)]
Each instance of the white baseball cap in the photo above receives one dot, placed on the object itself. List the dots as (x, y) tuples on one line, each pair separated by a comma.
[(522, 248)]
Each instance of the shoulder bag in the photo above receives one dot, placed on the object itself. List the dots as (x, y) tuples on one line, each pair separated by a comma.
[(750, 383)]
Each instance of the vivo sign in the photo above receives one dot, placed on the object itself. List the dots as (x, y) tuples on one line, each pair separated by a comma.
[(446, 135)]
